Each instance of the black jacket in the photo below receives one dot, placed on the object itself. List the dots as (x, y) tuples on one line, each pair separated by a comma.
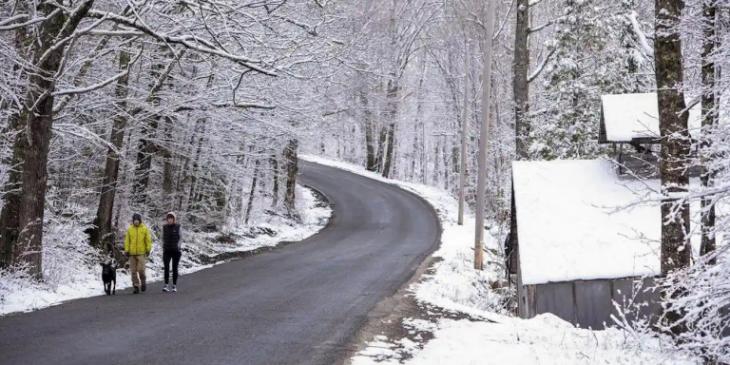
[(171, 237)]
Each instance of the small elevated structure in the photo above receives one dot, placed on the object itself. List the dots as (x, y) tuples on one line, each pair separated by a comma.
[(633, 120), (580, 240)]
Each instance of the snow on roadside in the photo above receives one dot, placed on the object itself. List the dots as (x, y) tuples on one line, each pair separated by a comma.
[(313, 215), (71, 267), (492, 335), (545, 339)]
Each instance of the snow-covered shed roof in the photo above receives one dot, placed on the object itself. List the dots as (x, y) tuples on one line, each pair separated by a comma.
[(569, 226), (627, 117)]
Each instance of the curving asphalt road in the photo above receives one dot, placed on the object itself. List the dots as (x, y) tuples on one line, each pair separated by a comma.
[(300, 304)]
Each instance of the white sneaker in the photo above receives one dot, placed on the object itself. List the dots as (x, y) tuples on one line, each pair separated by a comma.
[(174, 288), (165, 288)]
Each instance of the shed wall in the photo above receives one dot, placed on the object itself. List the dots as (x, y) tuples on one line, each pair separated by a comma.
[(556, 298), (588, 303), (593, 303)]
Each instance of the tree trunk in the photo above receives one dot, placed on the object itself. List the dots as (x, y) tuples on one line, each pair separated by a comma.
[(675, 145), (520, 87), (464, 131), (709, 120), (168, 168), (415, 150), (183, 175), (389, 147), (196, 163), (147, 148), (393, 90), (675, 142), (370, 163), (168, 180), (23, 235), (419, 143), (369, 146), (103, 234), (274, 162), (252, 192), (12, 186), (424, 154), (380, 154), (445, 156), (483, 138), (145, 151), (292, 168), (436, 160), (11, 200)]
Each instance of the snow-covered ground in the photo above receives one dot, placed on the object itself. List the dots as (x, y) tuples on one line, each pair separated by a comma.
[(71, 267), (545, 340), (491, 335)]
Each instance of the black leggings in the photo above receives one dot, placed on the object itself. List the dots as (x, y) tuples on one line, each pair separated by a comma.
[(167, 256)]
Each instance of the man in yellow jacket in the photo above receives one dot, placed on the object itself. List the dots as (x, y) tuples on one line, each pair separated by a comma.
[(137, 246)]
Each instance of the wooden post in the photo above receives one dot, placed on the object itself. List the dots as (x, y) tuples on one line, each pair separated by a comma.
[(482, 164)]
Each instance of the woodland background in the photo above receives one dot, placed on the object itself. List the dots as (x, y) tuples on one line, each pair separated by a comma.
[(110, 107)]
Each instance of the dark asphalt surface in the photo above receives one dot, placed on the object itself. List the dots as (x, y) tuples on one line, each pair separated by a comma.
[(299, 304)]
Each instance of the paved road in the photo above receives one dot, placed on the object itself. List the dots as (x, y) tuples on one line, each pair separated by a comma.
[(300, 304)]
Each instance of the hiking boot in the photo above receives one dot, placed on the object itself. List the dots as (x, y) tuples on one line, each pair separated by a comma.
[(165, 288), (136, 290), (174, 288)]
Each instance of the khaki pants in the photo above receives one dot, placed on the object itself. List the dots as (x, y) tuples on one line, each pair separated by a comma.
[(136, 267)]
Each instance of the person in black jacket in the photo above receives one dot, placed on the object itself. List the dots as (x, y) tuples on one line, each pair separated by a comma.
[(171, 250)]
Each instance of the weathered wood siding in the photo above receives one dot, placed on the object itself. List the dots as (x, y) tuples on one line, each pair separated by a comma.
[(587, 303), (625, 294), (593, 303)]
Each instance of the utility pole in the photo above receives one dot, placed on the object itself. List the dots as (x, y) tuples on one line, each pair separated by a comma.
[(464, 124), (482, 165)]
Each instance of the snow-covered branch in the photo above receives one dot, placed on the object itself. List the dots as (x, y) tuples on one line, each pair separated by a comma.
[(646, 50), (191, 42), (8, 24), (534, 74), (89, 88)]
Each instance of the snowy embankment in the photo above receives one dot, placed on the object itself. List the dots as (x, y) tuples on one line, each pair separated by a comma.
[(71, 267), (491, 334)]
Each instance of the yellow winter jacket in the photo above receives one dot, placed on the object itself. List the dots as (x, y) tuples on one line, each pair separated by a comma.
[(138, 241)]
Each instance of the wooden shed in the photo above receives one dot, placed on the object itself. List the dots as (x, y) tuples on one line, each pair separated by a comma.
[(634, 119), (630, 123), (580, 241)]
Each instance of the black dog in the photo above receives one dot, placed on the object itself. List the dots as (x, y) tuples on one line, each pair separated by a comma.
[(109, 277)]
